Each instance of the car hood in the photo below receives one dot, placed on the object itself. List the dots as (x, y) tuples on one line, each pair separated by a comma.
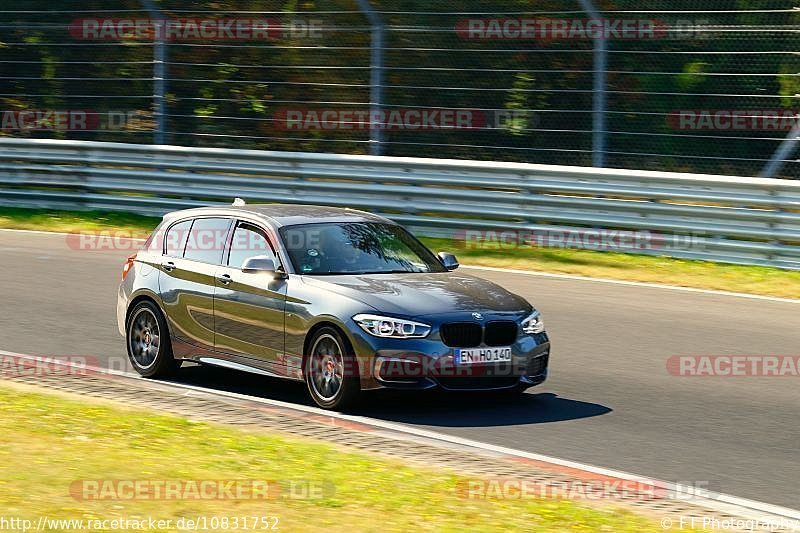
[(418, 294)]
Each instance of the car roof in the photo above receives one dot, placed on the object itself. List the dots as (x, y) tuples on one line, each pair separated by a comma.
[(279, 215)]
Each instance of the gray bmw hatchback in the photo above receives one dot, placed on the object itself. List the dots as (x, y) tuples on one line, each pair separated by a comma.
[(343, 300)]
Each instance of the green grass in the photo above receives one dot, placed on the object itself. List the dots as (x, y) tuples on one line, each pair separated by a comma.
[(48, 442), (74, 221), (631, 267), (628, 267)]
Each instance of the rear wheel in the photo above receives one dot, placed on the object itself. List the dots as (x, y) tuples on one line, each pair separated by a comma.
[(330, 372), (149, 346)]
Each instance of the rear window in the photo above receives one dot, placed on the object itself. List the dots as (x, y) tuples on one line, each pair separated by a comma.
[(155, 242), (176, 239)]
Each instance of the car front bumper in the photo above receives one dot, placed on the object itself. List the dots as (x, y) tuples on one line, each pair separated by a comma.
[(420, 364), (454, 378)]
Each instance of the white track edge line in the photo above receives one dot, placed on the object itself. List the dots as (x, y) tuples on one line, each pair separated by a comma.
[(713, 500), (575, 277)]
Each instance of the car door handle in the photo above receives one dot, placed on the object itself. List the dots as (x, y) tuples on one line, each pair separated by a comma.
[(225, 279), (169, 266)]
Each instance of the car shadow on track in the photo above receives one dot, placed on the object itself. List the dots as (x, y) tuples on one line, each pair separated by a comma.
[(428, 408), (478, 410)]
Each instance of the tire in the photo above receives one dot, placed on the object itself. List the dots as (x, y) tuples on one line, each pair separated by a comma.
[(326, 371), (148, 343)]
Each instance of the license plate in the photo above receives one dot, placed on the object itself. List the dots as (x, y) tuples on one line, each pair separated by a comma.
[(477, 356)]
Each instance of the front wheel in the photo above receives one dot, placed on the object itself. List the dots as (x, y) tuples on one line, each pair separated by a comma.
[(149, 347), (330, 371)]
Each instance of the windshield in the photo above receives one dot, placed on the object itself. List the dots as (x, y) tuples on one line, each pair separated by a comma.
[(356, 248)]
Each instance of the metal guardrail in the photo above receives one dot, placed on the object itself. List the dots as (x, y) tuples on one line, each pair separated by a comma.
[(721, 218)]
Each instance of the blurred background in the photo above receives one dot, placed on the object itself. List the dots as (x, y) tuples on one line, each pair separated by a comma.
[(612, 102)]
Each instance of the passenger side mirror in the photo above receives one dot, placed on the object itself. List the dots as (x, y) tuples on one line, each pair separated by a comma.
[(262, 264), (448, 260)]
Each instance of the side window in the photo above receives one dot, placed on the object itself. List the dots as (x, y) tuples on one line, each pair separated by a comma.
[(207, 240), (249, 241), (176, 238)]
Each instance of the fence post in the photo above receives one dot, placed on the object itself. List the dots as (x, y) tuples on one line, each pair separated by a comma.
[(376, 77), (159, 72), (598, 91)]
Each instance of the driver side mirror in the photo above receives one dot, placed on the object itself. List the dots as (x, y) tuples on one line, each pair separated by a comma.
[(262, 264), (448, 260)]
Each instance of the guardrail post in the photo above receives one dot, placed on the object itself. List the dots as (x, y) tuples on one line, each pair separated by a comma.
[(88, 155), (159, 72), (599, 91), (376, 77)]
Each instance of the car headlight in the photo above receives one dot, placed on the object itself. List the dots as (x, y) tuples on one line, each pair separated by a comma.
[(533, 324), (384, 326)]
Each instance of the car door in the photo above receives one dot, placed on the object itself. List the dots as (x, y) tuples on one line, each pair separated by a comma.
[(249, 307), (192, 255)]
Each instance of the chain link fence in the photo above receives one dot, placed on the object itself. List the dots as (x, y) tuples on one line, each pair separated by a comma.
[(708, 86)]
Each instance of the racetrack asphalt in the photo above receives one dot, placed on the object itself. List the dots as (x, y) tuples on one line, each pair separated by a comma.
[(609, 401)]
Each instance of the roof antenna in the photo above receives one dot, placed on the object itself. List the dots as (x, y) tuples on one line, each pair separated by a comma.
[(238, 202)]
